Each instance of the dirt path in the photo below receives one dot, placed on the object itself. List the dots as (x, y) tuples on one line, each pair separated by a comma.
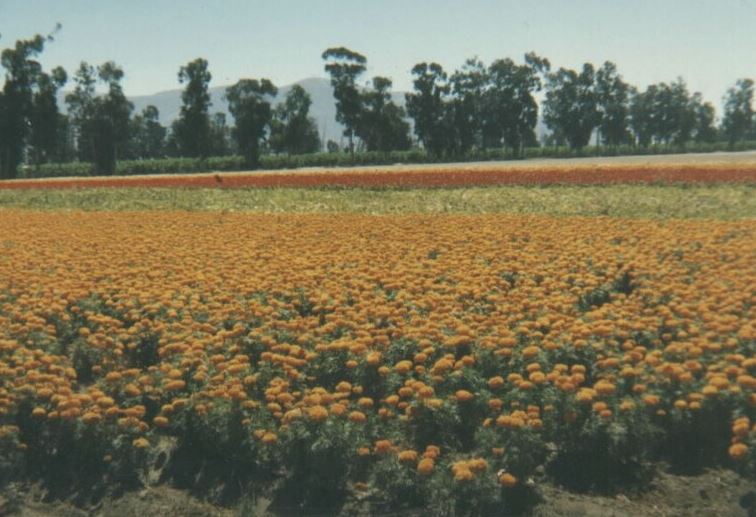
[(714, 493)]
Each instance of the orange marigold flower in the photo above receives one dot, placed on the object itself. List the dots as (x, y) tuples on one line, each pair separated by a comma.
[(463, 396), (140, 443), (175, 385), (432, 451), (462, 471), (357, 417), (507, 480), (496, 382), (604, 388), (426, 466), (317, 413), (738, 451), (269, 438), (90, 417), (408, 456)]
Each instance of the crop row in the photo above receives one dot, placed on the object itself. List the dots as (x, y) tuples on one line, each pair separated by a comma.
[(445, 361), (441, 176)]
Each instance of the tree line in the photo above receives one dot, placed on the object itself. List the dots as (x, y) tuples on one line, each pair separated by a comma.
[(475, 107)]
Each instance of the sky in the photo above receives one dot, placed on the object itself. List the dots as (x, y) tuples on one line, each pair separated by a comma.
[(710, 43)]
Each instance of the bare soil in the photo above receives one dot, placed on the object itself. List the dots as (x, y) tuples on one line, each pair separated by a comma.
[(713, 493)]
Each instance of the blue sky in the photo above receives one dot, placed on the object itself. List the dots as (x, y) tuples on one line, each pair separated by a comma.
[(709, 43)]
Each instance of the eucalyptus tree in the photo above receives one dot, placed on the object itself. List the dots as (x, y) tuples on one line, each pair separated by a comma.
[(511, 109), (102, 122), (23, 74), (427, 105), (571, 108), (293, 131), (613, 103), (192, 128), (249, 103), (45, 119), (345, 66), (737, 121), (382, 126)]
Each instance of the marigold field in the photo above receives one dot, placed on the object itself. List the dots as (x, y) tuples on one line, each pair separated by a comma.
[(439, 361)]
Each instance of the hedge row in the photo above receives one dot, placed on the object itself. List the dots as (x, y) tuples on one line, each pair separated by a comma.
[(413, 156)]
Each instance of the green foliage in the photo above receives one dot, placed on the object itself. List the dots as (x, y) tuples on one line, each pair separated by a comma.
[(45, 120), (101, 121), (20, 106), (612, 99), (292, 130), (599, 454), (344, 66), (192, 129), (510, 111), (11, 455), (668, 114), (571, 108), (737, 122), (426, 106), (479, 108), (249, 104), (382, 126), (318, 457), (147, 135)]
